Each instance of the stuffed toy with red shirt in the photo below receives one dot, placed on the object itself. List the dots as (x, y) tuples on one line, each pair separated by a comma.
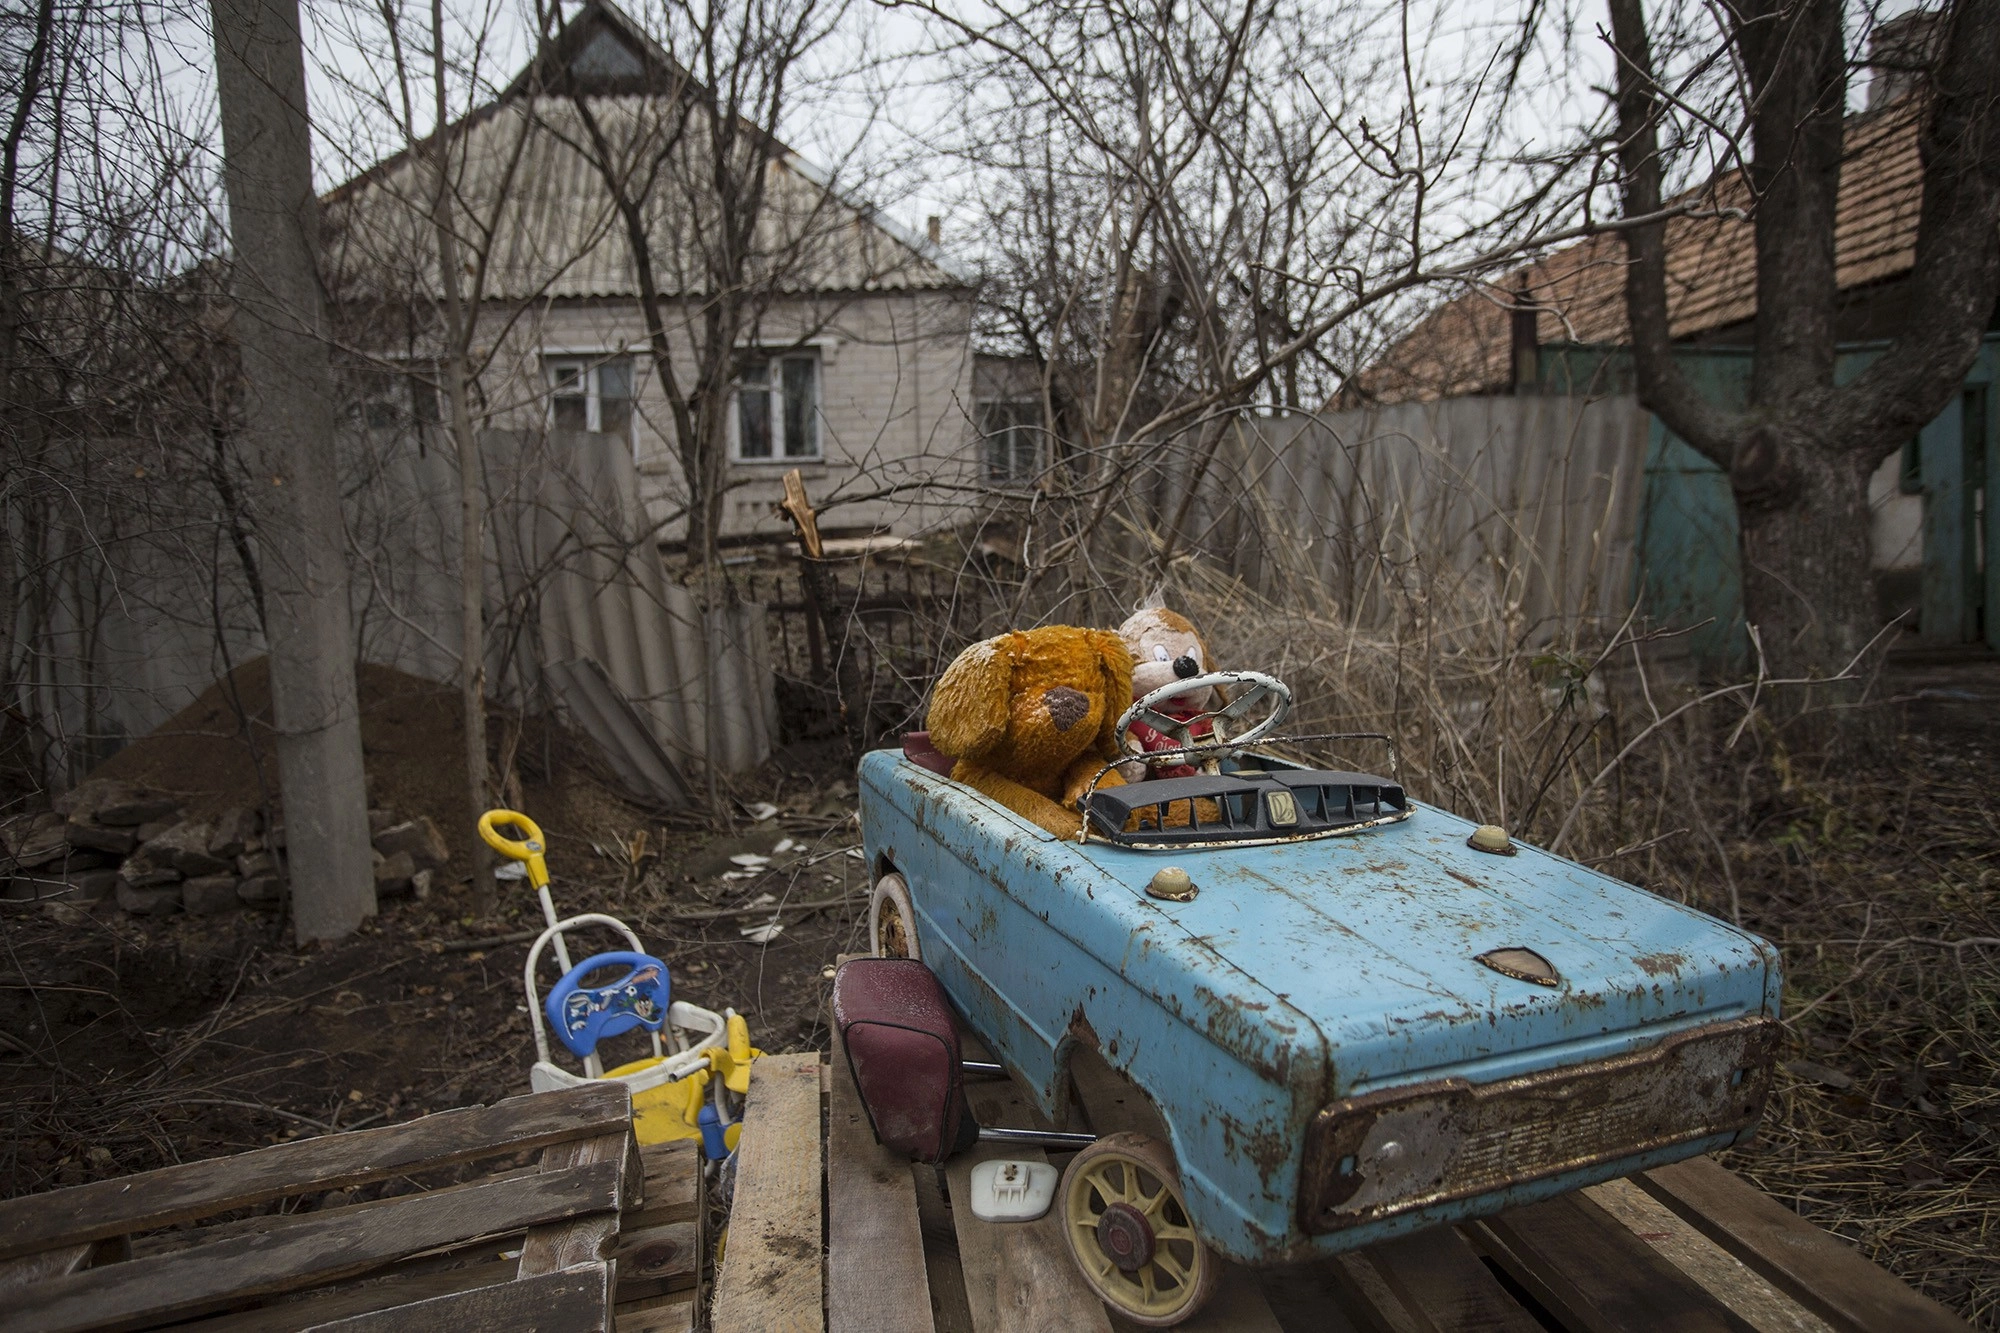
[(1165, 647)]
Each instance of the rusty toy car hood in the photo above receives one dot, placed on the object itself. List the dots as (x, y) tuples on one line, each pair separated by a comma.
[(1377, 938)]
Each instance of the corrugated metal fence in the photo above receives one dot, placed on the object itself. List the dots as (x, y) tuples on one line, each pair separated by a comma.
[(574, 575), (1530, 505)]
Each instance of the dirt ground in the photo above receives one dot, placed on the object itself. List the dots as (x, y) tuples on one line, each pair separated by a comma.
[(129, 1044)]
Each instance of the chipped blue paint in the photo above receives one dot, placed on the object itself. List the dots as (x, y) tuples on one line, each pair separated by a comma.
[(1303, 972)]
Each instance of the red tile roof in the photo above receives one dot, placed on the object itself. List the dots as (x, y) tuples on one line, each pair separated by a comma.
[(1465, 346)]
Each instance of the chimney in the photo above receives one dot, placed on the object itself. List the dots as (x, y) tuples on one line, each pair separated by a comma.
[(1525, 340), (1900, 55), (934, 228)]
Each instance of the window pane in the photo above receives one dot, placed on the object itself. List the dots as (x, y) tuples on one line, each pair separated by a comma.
[(801, 407), (572, 414), (1027, 444), (614, 378), (614, 416), (424, 405), (614, 396), (999, 460), (753, 423), (566, 376)]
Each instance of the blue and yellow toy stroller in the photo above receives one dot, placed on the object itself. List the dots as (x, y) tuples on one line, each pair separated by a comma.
[(689, 1092)]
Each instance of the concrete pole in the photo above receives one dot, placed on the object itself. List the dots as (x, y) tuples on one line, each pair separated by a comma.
[(280, 329)]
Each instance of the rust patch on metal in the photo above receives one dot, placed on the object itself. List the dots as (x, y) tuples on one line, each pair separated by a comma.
[(1661, 964), (1463, 878), (1395, 1151)]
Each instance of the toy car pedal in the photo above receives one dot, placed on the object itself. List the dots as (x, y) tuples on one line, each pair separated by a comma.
[(585, 1015), (1004, 1191), (903, 1054)]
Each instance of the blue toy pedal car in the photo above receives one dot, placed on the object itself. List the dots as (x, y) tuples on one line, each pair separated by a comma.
[(1346, 1015)]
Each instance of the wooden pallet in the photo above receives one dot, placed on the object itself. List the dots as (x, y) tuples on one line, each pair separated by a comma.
[(1689, 1246), (222, 1243)]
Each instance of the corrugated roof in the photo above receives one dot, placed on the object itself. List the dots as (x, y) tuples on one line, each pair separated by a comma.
[(1466, 345), (555, 233)]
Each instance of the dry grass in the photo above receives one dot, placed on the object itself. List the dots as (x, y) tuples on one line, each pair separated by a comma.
[(1881, 887)]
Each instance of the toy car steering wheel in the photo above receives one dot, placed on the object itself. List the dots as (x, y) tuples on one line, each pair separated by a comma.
[(1261, 688)]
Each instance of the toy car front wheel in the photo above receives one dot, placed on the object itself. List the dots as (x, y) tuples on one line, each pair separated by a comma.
[(1130, 1234), (892, 922)]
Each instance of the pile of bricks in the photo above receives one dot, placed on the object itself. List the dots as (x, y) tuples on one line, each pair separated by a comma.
[(110, 841)]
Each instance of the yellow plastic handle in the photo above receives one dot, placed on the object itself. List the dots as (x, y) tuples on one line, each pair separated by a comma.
[(528, 851)]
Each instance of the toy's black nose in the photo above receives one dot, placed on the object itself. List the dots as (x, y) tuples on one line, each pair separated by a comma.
[(1066, 706), (1186, 667)]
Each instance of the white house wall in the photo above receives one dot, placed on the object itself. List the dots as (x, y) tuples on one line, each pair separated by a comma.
[(895, 385)]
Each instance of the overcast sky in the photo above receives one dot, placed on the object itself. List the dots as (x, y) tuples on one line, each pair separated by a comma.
[(878, 105)]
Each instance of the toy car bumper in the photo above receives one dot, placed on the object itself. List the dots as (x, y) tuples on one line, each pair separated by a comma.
[(1398, 1150)]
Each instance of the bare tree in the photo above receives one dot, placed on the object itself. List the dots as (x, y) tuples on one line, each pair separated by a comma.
[(1799, 456), (719, 222), (1195, 214), (281, 328), (129, 570)]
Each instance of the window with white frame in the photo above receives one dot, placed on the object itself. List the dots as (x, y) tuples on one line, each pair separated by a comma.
[(1012, 429), (590, 393), (777, 408)]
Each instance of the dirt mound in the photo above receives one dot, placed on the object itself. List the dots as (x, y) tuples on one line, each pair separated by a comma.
[(219, 752)]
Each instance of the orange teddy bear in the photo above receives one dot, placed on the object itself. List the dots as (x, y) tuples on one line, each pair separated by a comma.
[(1029, 718)]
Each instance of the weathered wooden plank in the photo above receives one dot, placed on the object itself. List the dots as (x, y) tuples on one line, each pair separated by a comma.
[(188, 1237), (1366, 1297), (1596, 1276), (1819, 1270), (660, 1314), (673, 1181), (27, 1269), (657, 1260), (1767, 1309), (1016, 1274), (574, 1300), (1309, 1298), (201, 1189), (1237, 1306), (360, 1298), (1437, 1276), (673, 1184), (1019, 1277), (581, 1241), (343, 1243), (771, 1273), (876, 1280), (950, 1312)]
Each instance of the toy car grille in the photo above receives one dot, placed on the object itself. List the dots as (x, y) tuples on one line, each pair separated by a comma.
[(1394, 1151), (1276, 806)]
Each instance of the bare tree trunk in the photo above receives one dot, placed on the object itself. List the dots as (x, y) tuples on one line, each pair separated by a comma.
[(1800, 456), (280, 326), (472, 496), (1808, 576)]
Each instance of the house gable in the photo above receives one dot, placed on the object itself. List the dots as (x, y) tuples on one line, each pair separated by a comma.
[(518, 173)]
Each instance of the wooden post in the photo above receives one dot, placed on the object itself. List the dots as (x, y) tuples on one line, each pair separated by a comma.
[(288, 418), (822, 599)]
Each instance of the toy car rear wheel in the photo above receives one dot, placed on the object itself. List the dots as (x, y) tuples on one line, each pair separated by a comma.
[(892, 921), (1128, 1230)]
